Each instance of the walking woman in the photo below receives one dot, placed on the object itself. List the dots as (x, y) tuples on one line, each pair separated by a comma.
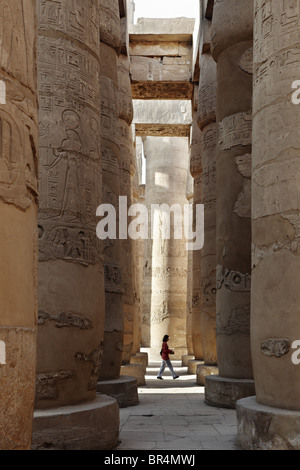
[(165, 359)]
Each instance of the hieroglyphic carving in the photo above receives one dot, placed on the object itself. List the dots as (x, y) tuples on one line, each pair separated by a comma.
[(18, 158), (66, 319), (47, 384), (18, 116), (110, 26), (238, 322), (233, 280), (235, 130), (74, 18), (70, 171), (94, 357)]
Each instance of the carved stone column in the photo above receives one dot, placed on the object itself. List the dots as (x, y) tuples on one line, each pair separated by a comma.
[(271, 419), (206, 118), (71, 280), (189, 282), (232, 50), (111, 167), (167, 166), (18, 230), (196, 172)]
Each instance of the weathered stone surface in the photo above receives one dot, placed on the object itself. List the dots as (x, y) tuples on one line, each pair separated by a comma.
[(19, 156), (88, 426), (225, 392), (262, 427), (110, 26), (112, 248), (275, 215), (70, 271), (231, 36), (167, 166), (162, 90), (123, 389)]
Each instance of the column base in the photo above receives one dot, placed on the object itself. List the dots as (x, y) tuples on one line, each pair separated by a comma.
[(88, 426), (203, 370), (134, 370), (192, 366), (262, 427), (185, 358), (224, 392), (140, 358), (123, 389)]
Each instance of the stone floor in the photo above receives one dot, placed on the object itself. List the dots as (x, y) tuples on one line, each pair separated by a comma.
[(172, 415)]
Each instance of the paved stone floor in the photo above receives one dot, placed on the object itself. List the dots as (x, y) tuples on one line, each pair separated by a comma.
[(172, 415)]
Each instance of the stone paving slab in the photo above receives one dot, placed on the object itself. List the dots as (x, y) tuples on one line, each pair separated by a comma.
[(172, 415)]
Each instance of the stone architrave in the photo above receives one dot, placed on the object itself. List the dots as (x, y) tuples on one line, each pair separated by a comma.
[(167, 167), (206, 118), (232, 42), (18, 231), (71, 277), (275, 298)]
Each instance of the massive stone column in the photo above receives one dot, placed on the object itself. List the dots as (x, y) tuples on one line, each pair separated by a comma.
[(167, 166), (206, 118), (71, 279), (116, 176), (271, 420), (110, 35), (18, 231), (189, 283), (231, 38), (126, 168), (196, 172)]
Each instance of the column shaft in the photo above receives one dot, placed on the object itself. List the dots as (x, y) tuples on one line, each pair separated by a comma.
[(18, 230)]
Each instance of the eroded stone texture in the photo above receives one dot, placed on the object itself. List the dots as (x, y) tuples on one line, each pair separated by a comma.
[(206, 118), (127, 169), (18, 231), (231, 48), (275, 296), (111, 167), (196, 172), (70, 269), (167, 166)]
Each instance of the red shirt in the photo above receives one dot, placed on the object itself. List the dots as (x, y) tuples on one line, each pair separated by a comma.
[(166, 351)]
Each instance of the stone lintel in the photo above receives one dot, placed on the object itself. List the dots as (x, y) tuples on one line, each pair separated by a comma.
[(175, 28), (157, 69), (149, 90), (224, 392), (87, 426), (162, 37), (165, 112), (261, 427), (162, 130)]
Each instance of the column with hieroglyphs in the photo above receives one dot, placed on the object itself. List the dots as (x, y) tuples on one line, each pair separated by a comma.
[(167, 167), (18, 232), (275, 297), (196, 173), (110, 36), (71, 277), (206, 118), (232, 40)]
